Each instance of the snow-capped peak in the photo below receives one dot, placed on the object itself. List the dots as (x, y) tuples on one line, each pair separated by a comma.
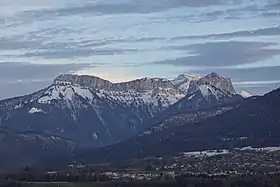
[(213, 74), (179, 80), (35, 110), (245, 94), (192, 76), (65, 92), (182, 78), (182, 82), (222, 83)]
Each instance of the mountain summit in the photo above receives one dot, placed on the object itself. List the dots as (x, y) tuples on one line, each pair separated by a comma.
[(184, 78), (187, 82), (219, 82), (183, 81)]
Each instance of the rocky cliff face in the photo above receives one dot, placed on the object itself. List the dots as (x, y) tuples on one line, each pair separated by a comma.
[(218, 82), (84, 81), (96, 83), (182, 82), (187, 82)]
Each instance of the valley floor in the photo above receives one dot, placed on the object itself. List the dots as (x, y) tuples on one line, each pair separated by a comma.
[(237, 161), (242, 167), (180, 181)]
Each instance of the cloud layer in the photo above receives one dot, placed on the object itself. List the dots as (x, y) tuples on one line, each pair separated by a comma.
[(223, 54), (125, 39)]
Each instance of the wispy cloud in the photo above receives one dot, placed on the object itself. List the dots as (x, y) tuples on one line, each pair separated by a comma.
[(25, 72), (246, 74), (121, 7), (22, 78), (142, 37), (68, 53), (222, 54), (271, 31)]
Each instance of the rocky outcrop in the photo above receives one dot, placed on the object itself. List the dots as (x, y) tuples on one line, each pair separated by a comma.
[(218, 81), (92, 82), (84, 81), (182, 82)]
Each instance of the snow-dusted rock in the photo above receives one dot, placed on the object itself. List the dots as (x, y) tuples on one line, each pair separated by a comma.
[(183, 81), (245, 94), (35, 110)]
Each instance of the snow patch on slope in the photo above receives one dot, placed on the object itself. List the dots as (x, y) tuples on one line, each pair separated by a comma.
[(163, 96), (83, 92), (35, 110), (190, 97), (265, 149), (207, 153), (182, 82), (184, 87), (245, 94), (19, 106), (208, 90), (205, 91), (94, 136), (67, 92)]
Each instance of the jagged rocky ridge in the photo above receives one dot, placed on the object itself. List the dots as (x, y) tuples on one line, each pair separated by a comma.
[(91, 112)]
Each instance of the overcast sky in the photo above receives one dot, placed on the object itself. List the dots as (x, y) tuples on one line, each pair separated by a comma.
[(126, 39)]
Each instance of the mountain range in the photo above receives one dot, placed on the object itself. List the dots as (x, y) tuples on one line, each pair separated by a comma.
[(90, 113), (252, 122)]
